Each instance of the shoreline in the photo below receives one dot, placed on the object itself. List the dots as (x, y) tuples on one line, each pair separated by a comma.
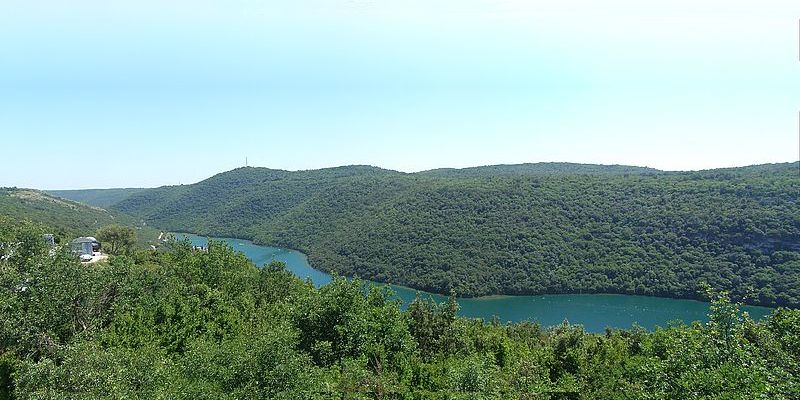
[(491, 297)]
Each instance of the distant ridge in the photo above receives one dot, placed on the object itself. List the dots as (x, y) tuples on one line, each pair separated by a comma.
[(103, 198), (543, 168), (70, 218), (109, 197)]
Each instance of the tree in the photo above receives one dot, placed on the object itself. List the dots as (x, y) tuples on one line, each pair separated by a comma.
[(120, 238)]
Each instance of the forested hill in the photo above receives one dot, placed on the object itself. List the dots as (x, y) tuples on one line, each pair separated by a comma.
[(63, 215), (67, 219), (536, 229), (96, 197)]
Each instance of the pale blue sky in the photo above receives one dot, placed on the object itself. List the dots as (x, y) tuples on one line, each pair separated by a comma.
[(145, 94)]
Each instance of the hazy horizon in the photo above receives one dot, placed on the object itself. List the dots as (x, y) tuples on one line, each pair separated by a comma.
[(143, 94)]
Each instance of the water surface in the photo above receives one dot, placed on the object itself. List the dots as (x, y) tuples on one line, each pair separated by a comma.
[(594, 311)]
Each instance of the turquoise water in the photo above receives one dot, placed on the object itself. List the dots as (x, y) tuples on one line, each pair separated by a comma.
[(594, 311)]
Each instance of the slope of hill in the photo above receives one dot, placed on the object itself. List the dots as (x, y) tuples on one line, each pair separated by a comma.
[(68, 218), (96, 197), (481, 232)]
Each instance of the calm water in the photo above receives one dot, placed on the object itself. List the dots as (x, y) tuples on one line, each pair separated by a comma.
[(594, 311)]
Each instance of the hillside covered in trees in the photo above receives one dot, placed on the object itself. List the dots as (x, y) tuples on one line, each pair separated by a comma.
[(96, 197), (185, 324), (514, 229), (67, 219)]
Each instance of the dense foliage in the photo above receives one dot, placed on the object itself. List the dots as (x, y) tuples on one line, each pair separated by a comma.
[(527, 229), (186, 324), (118, 239), (542, 169)]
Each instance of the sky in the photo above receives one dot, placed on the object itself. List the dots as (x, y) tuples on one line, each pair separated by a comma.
[(97, 94)]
